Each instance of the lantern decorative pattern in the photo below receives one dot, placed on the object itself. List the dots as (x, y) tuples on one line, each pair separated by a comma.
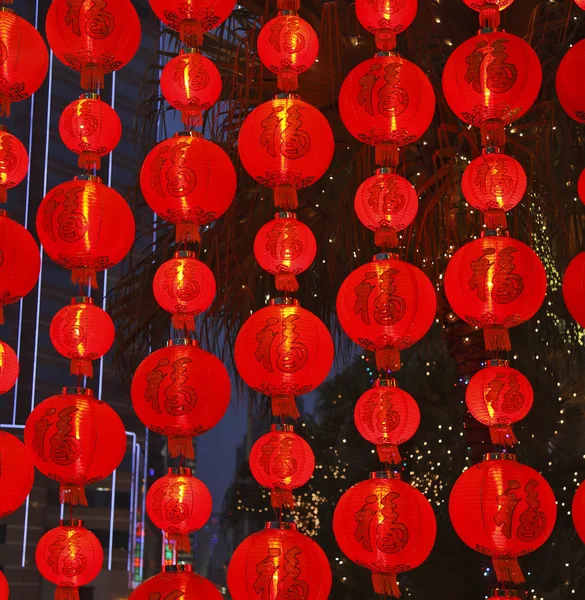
[(285, 247), (75, 439), (13, 162), (16, 476), (180, 391), (385, 525), (179, 504), (276, 560), (9, 368), (282, 461), (283, 351), (503, 509), (574, 288)]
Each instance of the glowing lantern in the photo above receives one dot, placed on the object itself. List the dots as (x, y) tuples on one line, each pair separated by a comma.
[(13, 162), (9, 368), (569, 87), (4, 590), (574, 288), (386, 18), (581, 186), (16, 476), (578, 512), (178, 582)]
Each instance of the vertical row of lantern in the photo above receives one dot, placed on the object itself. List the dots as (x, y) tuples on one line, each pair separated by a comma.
[(86, 227), (24, 60), (499, 507), (386, 305), (182, 391), (283, 350)]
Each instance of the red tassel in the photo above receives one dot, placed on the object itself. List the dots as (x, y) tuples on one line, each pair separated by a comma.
[(385, 39), (385, 584), (387, 359), (191, 32), (285, 196), (81, 366), (286, 282), (182, 541), (192, 115), (496, 337), (288, 4), (287, 79), (508, 570), (495, 219), (4, 105), (387, 155), (1, 314), (89, 160), (3, 194), (92, 77), (72, 494), (493, 134), (181, 445), (63, 593), (386, 237), (84, 276), (280, 498), (502, 435), (284, 405), (183, 321), (388, 453), (489, 16), (188, 232)]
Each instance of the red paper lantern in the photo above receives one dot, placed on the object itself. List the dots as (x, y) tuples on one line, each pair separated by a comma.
[(284, 351), (4, 590), (188, 181), (386, 203), (176, 582), (180, 391), (282, 461), (75, 439), (581, 186), (13, 161), (92, 37), (9, 368), (494, 183), (191, 83), (287, 145), (16, 476), (287, 45), (386, 18), (498, 396), (90, 128), (491, 80), (20, 261), (580, 3), (24, 60), (503, 509), (569, 90), (70, 556), (85, 226), (387, 416), (574, 288), (185, 287), (179, 504), (386, 306), (279, 562), (387, 102), (82, 332), (578, 512), (495, 282), (285, 247), (385, 525), (192, 18)]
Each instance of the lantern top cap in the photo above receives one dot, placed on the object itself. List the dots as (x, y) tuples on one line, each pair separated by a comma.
[(3, 129), (3, 213), (88, 177), (81, 300), (497, 362), (284, 302), (499, 593), (490, 30), (71, 523), (387, 53), (284, 428), (183, 342), (76, 391), (6, 9), (288, 13), (89, 96), (385, 475), (386, 171), (286, 96), (385, 382), (179, 471), (385, 256), (180, 568), (283, 525), (495, 233), (492, 150), (499, 456), (191, 134), (185, 254), (285, 215), (190, 50)]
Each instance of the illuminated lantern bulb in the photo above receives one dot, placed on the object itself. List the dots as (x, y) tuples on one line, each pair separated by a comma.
[(75, 439), (569, 87), (4, 590), (179, 504), (16, 476), (578, 511), (285, 247), (82, 332), (20, 264), (69, 556), (90, 128), (386, 19), (385, 525), (283, 351), (574, 288), (176, 579), (503, 509), (498, 396), (494, 283), (489, 11), (282, 461), (287, 45), (286, 144), (386, 203), (13, 162), (387, 416), (9, 368), (191, 83), (293, 564)]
